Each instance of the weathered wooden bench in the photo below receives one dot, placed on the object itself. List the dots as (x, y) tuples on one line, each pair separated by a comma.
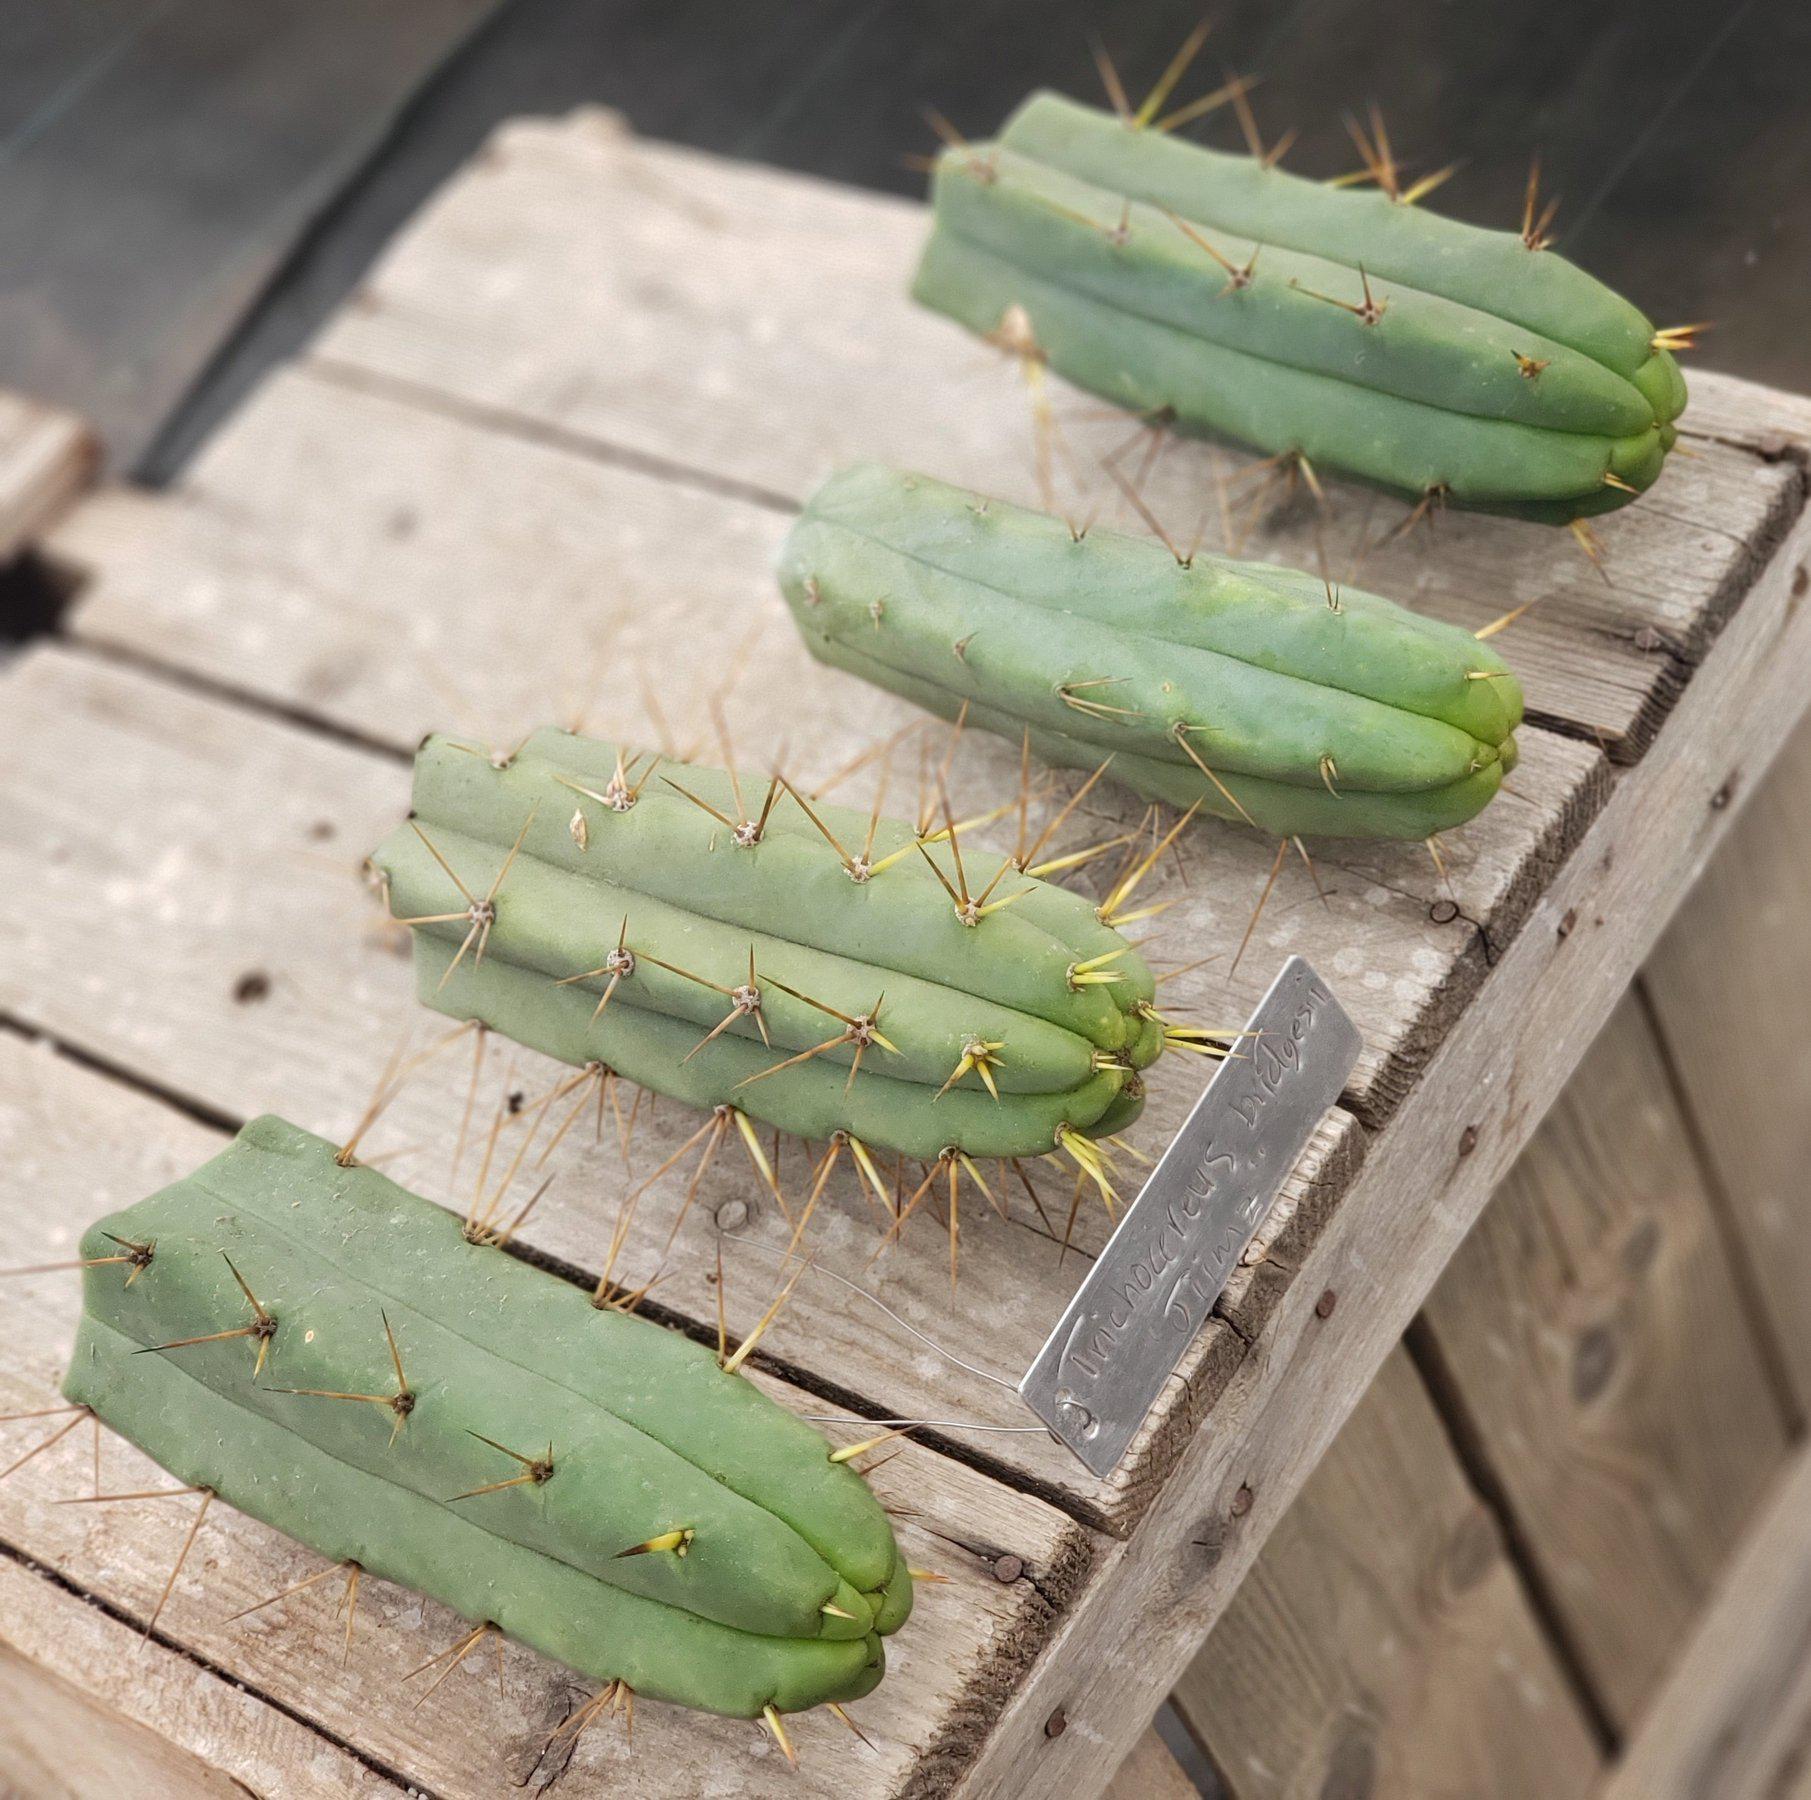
[(1556, 1542)]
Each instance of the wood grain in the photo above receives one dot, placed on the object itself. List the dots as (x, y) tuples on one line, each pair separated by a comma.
[(1152, 1600), (1382, 1643), (1592, 1344), (47, 457), (93, 1709), (1727, 984), (1728, 1718), (67, 1134), (347, 554), (753, 329), (1791, 1779), (1151, 1773)]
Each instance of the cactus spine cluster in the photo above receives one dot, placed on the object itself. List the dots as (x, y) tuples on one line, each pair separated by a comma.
[(822, 970), (1352, 328), (1254, 691), (330, 1353)]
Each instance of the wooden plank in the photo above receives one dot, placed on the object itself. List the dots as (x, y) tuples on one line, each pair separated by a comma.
[(1769, 421), (326, 553), (1151, 1773), (753, 328), (89, 1705), (1151, 1601), (47, 457), (67, 1132), (152, 193), (1591, 1343), (224, 947), (1729, 983), (1791, 1779), (1382, 1643), (1727, 1718)]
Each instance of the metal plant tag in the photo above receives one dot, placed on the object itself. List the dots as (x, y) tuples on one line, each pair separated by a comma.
[(1165, 1265)]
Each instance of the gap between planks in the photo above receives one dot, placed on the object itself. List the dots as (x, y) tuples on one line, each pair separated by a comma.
[(1383, 1643), (1738, 1688), (142, 1694)]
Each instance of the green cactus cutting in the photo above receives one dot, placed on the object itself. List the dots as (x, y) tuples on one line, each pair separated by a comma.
[(332, 1354), (1349, 328), (763, 957), (1254, 692)]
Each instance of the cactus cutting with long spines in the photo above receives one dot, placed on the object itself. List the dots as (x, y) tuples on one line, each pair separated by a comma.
[(1252, 691), (332, 1354), (1352, 329), (832, 973)]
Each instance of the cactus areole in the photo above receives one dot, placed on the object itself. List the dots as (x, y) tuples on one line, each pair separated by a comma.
[(1260, 693), (1353, 327), (724, 940), (329, 1353)]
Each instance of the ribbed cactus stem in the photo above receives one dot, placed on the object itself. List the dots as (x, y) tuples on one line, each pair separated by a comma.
[(330, 1353), (735, 945), (1353, 328), (1253, 692)]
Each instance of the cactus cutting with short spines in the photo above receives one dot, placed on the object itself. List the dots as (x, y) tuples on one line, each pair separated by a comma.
[(1251, 691), (1351, 329), (332, 1354), (760, 955)]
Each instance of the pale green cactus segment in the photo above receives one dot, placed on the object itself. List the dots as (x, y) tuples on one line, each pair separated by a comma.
[(1372, 336), (789, 1574), (1317, 710), (873, 980)]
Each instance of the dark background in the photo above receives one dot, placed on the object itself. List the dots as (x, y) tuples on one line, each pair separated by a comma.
[(187, 186)]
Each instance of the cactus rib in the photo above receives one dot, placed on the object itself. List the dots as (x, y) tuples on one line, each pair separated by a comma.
[(1250, 690), (581, 1479), (1364, 333)]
